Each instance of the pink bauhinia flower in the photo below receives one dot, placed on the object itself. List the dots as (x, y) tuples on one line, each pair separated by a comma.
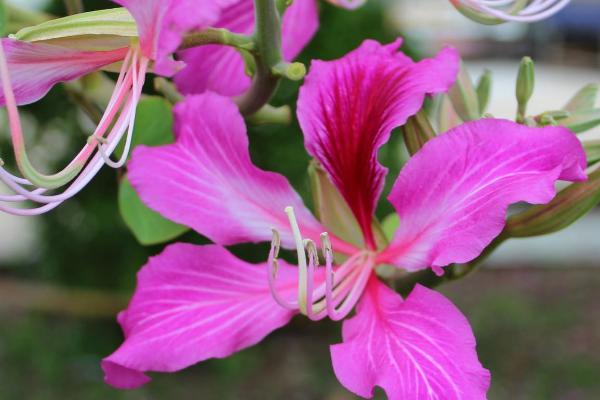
[(29, 69), (193, 302)]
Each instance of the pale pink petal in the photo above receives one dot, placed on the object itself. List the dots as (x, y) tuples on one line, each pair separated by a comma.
[(162, 23), (35, 68), (193, 303), (452, 196), (221, 68), (348, 107), (207, 181), (419, 349)]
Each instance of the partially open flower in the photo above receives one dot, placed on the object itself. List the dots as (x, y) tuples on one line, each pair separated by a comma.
[(498, 11), (135, 39)]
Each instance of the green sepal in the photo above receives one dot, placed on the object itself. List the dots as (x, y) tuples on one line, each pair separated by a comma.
[(567, 207), (582, 121), (331, 208), (110, 28), (584, 99), (148, 226)]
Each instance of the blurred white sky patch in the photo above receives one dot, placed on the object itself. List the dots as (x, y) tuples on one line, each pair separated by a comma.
[(18, 235), (34, 4)]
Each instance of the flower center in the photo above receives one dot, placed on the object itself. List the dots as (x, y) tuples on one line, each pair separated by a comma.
[(330, 292)]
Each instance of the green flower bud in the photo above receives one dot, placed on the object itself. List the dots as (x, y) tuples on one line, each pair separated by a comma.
[(464, 97), (484, 88), (525, 86), (417, 132)]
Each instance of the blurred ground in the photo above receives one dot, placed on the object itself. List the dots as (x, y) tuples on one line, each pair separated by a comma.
[(535, 329)]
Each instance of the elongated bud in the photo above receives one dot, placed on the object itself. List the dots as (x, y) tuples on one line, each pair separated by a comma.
[(464, 97), (525, 86), (566, 208), (447, 116), (417, 132), (484, 90), (104, 26)]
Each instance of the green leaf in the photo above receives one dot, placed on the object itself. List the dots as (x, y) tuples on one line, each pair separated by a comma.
[(153, 127), (3, 18), (153, 124), (148, 226)]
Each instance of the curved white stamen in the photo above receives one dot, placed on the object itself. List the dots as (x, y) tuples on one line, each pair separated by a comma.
[(122, 105), (302, 268), (342, 288)]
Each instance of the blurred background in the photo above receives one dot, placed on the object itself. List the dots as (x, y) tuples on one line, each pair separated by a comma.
[(534, 305)]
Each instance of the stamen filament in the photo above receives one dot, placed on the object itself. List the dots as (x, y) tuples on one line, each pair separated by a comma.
[(302, 268)]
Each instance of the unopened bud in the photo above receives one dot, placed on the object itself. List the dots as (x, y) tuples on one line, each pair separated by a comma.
[(417, 132), (525, 86), (464, 97), (566, 208), (484, 89)]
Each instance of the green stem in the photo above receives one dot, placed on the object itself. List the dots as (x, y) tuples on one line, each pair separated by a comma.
[(217, 36), (267, 56)]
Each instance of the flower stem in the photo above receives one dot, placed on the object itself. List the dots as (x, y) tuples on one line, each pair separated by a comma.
[(267, 56), (217, 36)]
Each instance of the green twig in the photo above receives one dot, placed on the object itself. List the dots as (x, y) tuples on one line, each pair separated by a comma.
[(268, 56), (217, 36)]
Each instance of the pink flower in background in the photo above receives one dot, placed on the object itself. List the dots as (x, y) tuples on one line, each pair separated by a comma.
[(193, 302), (29, 69), (221, 69)]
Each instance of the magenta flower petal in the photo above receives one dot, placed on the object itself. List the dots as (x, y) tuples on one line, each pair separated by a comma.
[(161, 24), (221, 68), (419, 349), (348, 107), (207, 181), (452, 196), (35, 68), (193, 303)]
